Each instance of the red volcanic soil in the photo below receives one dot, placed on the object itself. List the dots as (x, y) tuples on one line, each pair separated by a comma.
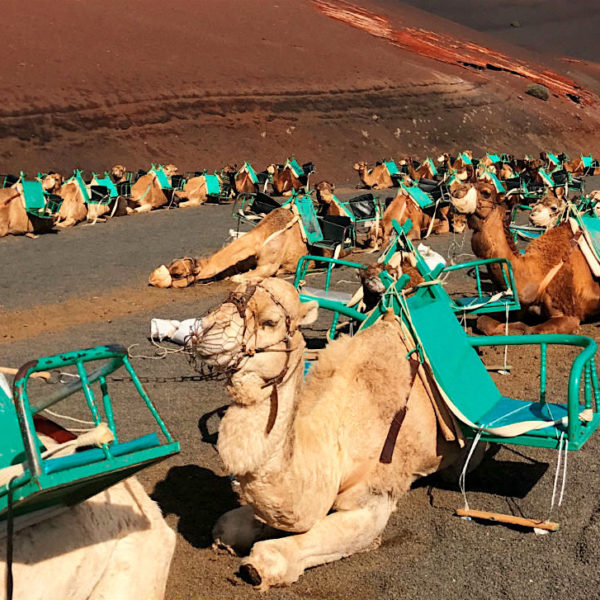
[(201, 84)]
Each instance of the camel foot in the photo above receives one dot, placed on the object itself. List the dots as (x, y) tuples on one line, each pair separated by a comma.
[(271, 563), (32, 236), (490, 326)]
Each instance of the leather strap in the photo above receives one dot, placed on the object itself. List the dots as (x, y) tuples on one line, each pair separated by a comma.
[(387, 451)]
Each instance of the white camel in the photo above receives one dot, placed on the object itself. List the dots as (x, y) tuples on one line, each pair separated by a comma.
[(318, 460)]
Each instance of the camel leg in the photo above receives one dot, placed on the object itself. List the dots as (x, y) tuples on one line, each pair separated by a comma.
[(143, 209), (339, 534), (488, 325), (561, 324), (268, 263), (238, 529)]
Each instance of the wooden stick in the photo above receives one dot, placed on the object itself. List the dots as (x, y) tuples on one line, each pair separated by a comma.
[(508, 519), (498, 367), (45, 375)]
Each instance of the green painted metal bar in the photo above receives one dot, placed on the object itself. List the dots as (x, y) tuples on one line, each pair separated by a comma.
[(142, 393), (543, 351), (108, 410), (88, 392), (589, 349), (334, 322), (587, 386), (478, 277), (302, 266), (335, 306), (595, 383)]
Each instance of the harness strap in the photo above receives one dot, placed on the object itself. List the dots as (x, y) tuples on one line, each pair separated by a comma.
[(7, 202), (387, 451)]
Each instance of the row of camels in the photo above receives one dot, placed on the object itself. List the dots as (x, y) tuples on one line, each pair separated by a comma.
[(145, 194)]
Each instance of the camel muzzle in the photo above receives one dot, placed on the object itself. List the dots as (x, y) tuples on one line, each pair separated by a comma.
[(467, 204)]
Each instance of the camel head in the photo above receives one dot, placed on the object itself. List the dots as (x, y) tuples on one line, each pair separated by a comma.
[(253, 334), (180, 273), (545, 212), (52, 182), (480, 198), (458, 221), (117, 173), (170, 170), (325, 191), (271, 169), (360, 166)]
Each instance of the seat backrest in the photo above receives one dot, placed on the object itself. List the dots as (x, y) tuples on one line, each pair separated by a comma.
[(12, 448), (334, 228), (34, 195), (456, 365), (362, 207), (213, 187), (310, 222)]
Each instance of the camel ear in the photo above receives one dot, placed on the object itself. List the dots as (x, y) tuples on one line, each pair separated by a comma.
[(560, 192), (309, 311)]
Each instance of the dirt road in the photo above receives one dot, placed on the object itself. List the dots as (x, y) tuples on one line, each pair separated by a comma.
[(94, 278)]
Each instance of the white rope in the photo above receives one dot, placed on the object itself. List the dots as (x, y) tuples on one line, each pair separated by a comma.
[(430, 228), (462, 480), (67, 418), (556, 474), (505, 369)]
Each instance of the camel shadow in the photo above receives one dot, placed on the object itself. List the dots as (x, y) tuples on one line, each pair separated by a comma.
[(198, 497), (505, 478)]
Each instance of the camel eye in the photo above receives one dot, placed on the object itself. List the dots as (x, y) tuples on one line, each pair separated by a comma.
[(485, 193), (268, 323)]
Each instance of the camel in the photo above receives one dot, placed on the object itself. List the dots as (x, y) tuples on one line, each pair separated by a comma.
[(284, 179), (195, 191), (377, 178), (548, 209), (308, 457), (553, 278), (146, 192), (15, 220), (578, 169), (114, 545), (241, 180), (275, 245), (73, 209), (118, 173)]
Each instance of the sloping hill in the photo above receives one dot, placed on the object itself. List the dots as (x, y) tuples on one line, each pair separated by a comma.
[(205, 83)]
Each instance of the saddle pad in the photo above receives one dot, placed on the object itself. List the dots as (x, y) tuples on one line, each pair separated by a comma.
[(248, 168), (82, 187), (553, 158), (432, 167), (589, 242), (296, 168), (391, 167), (308, 215), (494, 158), (465, 158), (213, 187), (497, 183), (546, 178), (422, 199), (108, 183), (588, 161), (163, 180), (33, 192)]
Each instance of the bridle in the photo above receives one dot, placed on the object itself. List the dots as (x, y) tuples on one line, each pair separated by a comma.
[(240, 301)]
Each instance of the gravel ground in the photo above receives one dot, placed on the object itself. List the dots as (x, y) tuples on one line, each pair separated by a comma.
[(426, 552)]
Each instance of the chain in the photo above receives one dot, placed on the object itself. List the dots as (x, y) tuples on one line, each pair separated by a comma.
[(172, 379)]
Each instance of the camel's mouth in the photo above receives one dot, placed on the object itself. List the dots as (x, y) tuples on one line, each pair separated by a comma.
[(217, 340), (543, 216), (467, 204)]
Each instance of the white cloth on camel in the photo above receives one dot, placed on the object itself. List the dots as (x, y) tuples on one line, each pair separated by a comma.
[(175, 331)]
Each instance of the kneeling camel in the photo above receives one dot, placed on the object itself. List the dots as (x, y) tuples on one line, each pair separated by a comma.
[(304, 460)]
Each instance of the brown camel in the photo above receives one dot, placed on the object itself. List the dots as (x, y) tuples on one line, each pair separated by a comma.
[(401, 208), (553, 278), (546, 211), (74, 208), (275, 245), (301, 454), (195, 191), (146, 192), (284, 180), (118, 173), (15, 220), (377, 178), (241, 180)]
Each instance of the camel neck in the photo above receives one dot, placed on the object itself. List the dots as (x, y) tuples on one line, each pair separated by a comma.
[(490, 236), (245, 446)]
